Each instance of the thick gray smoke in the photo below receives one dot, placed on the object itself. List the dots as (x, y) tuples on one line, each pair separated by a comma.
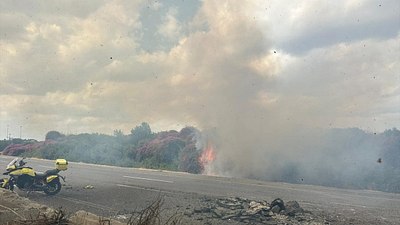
[(229, 92), (260, 125), (231, 98)]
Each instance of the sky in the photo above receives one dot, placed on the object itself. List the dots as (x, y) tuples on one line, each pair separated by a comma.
[(260, 68)]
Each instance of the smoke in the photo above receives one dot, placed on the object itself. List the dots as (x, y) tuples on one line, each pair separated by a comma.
[(226, 89), (264, 121), (227, 84), (263, 109)]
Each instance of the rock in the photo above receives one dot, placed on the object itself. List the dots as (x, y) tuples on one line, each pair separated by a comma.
[(276, 209), (231, 203), (244, 218), (270, 213), (197, 210), (218, 213), (256, 207), (292, 208), (187, 213), (300, 218), (253, 204), (250, 212), (279, 202), (202, 210)]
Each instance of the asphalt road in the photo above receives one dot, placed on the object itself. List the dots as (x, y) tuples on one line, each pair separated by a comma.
[(122, 190)]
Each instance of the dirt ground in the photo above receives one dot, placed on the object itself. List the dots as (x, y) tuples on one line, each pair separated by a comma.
[(14, 210), (17, 210)]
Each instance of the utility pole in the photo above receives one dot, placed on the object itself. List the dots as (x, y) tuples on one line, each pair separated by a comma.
[(20, 132), (7, 133)]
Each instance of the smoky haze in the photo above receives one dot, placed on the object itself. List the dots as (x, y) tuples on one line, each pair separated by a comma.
[(262, 80)]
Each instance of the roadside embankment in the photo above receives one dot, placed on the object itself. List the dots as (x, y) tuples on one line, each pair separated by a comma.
[(17, 210)]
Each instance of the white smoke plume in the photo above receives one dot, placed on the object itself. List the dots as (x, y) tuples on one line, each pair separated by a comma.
[(260, 79)]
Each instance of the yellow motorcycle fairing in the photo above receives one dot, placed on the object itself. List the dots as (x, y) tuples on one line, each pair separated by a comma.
[(12, 167), (51, 178), (22, 171)]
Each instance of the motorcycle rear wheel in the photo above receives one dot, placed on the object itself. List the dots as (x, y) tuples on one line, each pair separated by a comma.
[(53, 187)]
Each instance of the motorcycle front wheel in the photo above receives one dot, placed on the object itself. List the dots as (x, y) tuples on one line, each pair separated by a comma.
[(53, 187), (2, 181), (9, 184)]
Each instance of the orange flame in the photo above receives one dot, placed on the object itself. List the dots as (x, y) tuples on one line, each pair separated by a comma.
[(207, 156)]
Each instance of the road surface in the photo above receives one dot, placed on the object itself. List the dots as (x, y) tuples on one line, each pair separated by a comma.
[(122, 190)]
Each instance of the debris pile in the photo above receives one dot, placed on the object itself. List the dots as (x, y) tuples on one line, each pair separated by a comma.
[(249, 211)]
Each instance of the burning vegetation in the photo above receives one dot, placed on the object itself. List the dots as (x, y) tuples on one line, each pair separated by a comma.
[(206, 158)]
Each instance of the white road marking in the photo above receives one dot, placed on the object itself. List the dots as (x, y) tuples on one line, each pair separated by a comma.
[(149, 179), (142, 188)]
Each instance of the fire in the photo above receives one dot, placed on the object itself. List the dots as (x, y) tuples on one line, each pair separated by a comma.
[(207, 156)]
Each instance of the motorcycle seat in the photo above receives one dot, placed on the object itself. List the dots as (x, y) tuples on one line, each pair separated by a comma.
[(40, 174), (47, 173)]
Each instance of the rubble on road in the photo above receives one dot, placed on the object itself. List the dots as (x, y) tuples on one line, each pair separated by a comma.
[(244, 210), (88, 187)]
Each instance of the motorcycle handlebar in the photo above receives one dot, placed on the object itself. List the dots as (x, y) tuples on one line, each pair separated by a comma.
[(21, 162)]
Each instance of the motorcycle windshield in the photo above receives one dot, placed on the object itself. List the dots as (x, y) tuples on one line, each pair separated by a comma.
[(12, 162)]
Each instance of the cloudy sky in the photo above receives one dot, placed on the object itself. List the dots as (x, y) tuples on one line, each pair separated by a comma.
[(233, 66)]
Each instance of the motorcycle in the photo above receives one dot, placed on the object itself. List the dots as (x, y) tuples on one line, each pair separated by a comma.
[(26, 179)]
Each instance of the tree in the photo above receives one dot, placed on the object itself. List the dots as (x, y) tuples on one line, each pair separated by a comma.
[(118, 133), (53, 135), (4, 143), (141, 132)]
